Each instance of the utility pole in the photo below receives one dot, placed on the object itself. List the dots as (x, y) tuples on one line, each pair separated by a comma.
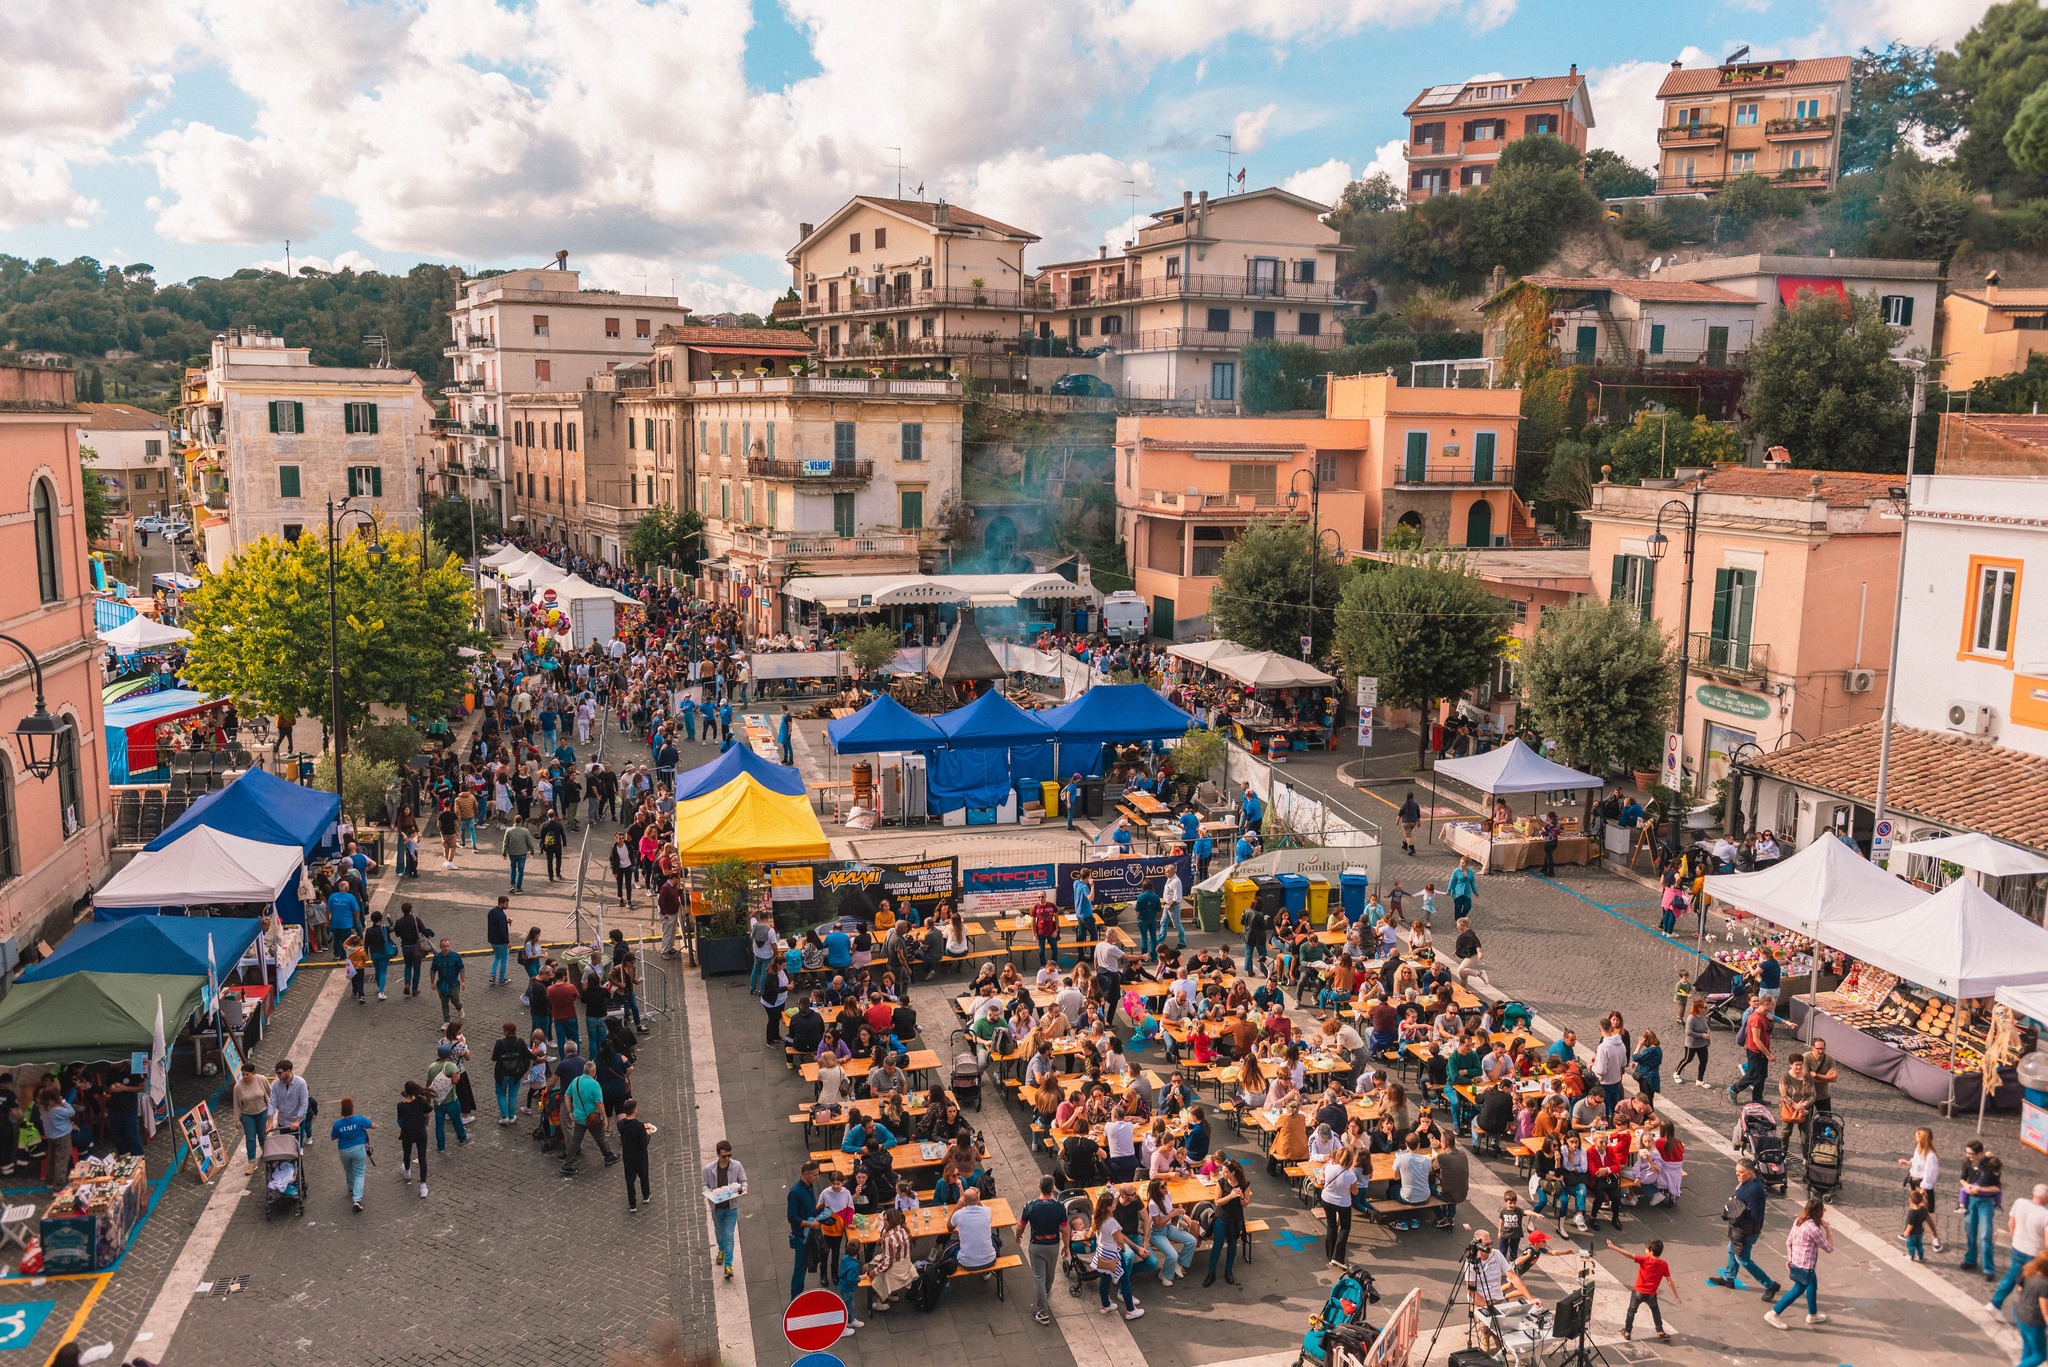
[(1904, 494)]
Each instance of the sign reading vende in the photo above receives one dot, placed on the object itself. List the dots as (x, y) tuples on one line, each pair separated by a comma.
[(814, 1321)]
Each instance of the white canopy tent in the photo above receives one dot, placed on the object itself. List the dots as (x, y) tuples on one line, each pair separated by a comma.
[(1206, 652), (1978, 853), (1264, 669), (1826, 881), (576, 586), (501, 556), (143, 633), (2029, 999), (1962, 942), (1513, 768), (203, 867)]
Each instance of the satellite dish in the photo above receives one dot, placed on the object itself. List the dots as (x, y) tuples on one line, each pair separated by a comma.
[(1656, 265)]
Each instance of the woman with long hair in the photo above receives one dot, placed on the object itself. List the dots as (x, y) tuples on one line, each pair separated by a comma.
[(1803, 1247), (1923, 1170), (1114, 1253), (893, 1270), (1233, 1190)]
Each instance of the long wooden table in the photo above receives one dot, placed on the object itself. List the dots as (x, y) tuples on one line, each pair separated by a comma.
[(906, 1157), (925, 1222), (917, 1061)]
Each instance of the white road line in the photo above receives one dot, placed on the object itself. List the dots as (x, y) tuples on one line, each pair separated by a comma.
[(160, 1325), (729, 1297)]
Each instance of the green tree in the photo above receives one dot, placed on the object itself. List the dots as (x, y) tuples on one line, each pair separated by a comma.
[(1261, 599), (1601, 682), (1610, 175), (260, 628), (93, 485), (1747, 200), (1424, 626), (464, 525), (2023, 391), (2026, 142), (667, 537), (1822, 384), (362, 795), (1655, 444), (1986, 79), (1923, 211), (1376, 194), (1542, 153), (872, 648), (1894, 97)]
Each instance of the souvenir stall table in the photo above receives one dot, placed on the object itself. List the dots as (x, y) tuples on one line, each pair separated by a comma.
[(1502, 843), (88, 1223), (1269, 703)]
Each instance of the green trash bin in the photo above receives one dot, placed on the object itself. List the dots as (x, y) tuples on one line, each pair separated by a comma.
[(1209, 908)]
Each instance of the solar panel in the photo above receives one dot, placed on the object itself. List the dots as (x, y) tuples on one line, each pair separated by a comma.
[(1440, 95)]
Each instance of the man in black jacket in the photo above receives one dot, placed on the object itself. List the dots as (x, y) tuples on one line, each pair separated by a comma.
[(807, 1028), (554, 838)]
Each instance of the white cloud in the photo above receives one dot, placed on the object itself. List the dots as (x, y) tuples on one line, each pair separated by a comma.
[(346, 261), (1248, 129), (232, 189), (1324, 184), (1873, 23), (1626, 113)]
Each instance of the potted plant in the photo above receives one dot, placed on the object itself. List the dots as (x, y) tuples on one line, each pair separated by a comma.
[(722, 946), (979, 284)]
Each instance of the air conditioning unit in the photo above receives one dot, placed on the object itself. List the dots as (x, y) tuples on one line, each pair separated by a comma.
[(1858, 680), (810, 277), (1970, 718), (924, 261)]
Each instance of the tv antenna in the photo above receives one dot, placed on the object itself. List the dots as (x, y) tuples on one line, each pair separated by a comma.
[(382, 345), (899, 170), (288, 258), (1229, 160), (1132, 195)]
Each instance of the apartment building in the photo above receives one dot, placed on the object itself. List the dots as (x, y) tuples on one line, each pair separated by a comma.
[(1905, 291), (1201, 279), (544, 450), (54, 832), (1794, 576), (534, 331), (267, 437), (131, 455), (1436, 459), (905, 282), (1969, 741), (1989, 330), (1779, 119), (1623, 321), (1456, 132)]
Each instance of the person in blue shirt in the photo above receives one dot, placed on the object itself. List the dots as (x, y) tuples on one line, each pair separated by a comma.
[(838, 948), (782, 737), (1071, 796), (1084, 912), (860, 1130), (351, 1135), (1244, 847), (803, 1218), (688, 712), (725, 720), (343, 911), (1122, 836), (1204, 850), (1190, 825), (1565, 1049), (1254, 811), (1463, 885)]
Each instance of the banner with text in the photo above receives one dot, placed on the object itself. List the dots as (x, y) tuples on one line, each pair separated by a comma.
[(1008, 891), (1117, 882), (810, 893)]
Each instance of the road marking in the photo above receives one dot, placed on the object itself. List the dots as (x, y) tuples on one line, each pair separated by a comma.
[(78, 1320), (160, 1325), (728, 1296)]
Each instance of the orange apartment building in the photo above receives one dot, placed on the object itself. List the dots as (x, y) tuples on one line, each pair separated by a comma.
[(1781, 120), (1990, 330), (1383, 454), (1455, 132)]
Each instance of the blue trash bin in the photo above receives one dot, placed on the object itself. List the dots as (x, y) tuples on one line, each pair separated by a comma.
[(1294, 888), (1351, 886)]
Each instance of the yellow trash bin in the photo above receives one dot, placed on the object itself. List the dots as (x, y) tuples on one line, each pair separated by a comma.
[(1318, 899), (1049, 797), (1238, 894)]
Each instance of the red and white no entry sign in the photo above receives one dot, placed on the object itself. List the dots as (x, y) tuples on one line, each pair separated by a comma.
[(814, 1321)]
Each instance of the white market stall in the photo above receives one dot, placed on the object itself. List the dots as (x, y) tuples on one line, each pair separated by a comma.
[(1502, 846), (204, 867), (140, 633)]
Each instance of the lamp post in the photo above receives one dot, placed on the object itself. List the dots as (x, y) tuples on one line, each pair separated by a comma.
[(338, 513), (1659, 543), (1902, 494), (39, 734), (1315, 489)]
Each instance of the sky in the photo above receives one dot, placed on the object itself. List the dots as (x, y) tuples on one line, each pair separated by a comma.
[(673, 146)]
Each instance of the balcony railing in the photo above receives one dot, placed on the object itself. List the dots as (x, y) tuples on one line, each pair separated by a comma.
[(1711, 654), (1800, 175), (1201, 287), (799, 385), (1202, 339), (813, 546), (1815, 126), (1690, 134), (1224, 505), (1456, 472), (905, 297), (1687, 185), (890, 348), (1425, 151), (821, 471)]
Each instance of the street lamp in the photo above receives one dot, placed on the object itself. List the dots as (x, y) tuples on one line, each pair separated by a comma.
[(1901, 494), (1315, 489), (338, 513), (39, 734), (1659, 544)]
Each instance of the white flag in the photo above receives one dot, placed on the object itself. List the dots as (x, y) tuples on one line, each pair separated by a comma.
[(212, 969), (159, 1073)]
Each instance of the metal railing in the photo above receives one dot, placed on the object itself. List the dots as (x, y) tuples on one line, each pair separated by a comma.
[(822, 470), (1457, 472), (1680, 134), (1202, 339), (830, 384), (877, 348), (1687, 185), (808, 545), (1799, 128), (907, 297), (1713, 654), (1201, 287)]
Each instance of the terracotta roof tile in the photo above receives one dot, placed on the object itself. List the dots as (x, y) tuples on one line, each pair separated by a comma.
[(1649, 291), (2006, 297), (921, 210), (1535, 90), (774, 339), (1957, 782), (1841, 489), (111, 417), (1707, 80)]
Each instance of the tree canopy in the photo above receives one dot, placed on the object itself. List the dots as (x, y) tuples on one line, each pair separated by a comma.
[(1988, 76), (667, 537), (1610, 175), (1601, 682), (260, 627), (465, 526), (1423, 626), (1894, 97), (1261, 598), (1822, 384)]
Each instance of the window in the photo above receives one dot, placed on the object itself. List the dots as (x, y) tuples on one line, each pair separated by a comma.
[(1734, 612), (10, 852), (853, 243), (1483, 447), (1483, 130), (881, 239), (771, 505), (1745, 115), (913, 510), (1656, 339), (540, 325), (1326, 470), (1803, 156), (1995, 584), (1112, 325), (724, 438), (1260, 481), (643, 328), (632, 436), (365, 479), (842, 441), (842, 515), (287, 416), (572, 436), (1806, 109), (1539, 124), (927, 327), (1471, 176), (913, 441), (1311, 324), (747, 438), (1741, 163), (293, 531), (747, 504), (43, 504), (1305, 272), (1087, 327), (725, 500), (1635, 582), (545, 492), (544, 371), (1219, 320), (152, 449), (771, 441), (1223, 381), (611, 327), (1415, 459), (558, 436), (1172, 267), (288, 481), (703, 493), (70, 792), (1898, 309), (1517, 608), (703, 437), (647, 431)]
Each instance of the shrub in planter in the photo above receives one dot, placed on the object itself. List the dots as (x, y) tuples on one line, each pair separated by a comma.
[(722, 946)]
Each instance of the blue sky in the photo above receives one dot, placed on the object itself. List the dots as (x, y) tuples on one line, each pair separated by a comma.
[(682, 140)]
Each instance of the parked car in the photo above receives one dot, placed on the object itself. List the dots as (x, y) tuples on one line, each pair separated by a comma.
[(1083, 385), (152, 523)]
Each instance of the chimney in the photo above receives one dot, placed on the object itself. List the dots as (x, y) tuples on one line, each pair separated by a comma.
[(562, 259), (1677, 65), (1187, 207), (804, 230), (942, 215), (1500, 279), (1816, 481), (1102, 251), (1575, 69)]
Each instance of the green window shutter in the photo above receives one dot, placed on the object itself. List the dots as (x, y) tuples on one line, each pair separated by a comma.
[(1618, 588), (352, 490), (1649, 575), (1744, 584), (1482, 456), (298, 416), (348, 419), (377, 481), (288, 481), (1418, 458), (373, 420), (1723, 579), (273, 415), (1656, 339)]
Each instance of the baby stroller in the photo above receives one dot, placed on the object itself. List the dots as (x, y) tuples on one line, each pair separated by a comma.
[(965, 1075), (1341, 1323), (1825, 1136), (284, 1175), (1756, 1139), (1078, 1262)]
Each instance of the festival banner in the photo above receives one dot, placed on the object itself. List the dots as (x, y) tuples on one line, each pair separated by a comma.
[(830, 889), (1007, 891), (1117, 882)]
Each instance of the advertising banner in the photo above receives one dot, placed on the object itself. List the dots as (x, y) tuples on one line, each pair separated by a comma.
[(1006, 891), (1117, 882), (810, 893)]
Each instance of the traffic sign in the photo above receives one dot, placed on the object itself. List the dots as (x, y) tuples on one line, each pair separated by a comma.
[(814, 1321), (818, 1360)]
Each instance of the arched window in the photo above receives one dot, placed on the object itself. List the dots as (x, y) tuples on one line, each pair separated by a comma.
[(43, 504), (70, 790)]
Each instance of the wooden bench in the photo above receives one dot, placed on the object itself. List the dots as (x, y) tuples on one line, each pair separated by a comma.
[(996, 1269), (1393, 1213)]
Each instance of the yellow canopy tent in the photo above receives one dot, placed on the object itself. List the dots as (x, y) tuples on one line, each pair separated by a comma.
[(745, 820)]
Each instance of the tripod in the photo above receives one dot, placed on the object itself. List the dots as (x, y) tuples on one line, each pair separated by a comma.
[(1471, 1260), (1584, 1352)]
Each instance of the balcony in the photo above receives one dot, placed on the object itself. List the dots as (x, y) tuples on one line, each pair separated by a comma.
[(1428, 151), (1228, 507), (455, 427), (1793, 130), (823, 546), (1441, 472), (949, 296), (798, 386), (1691, 134), (819, 473), (1201, 339), (1802, 175), (1727, 659), (1688, 185), (1202, 287), (900, 348)]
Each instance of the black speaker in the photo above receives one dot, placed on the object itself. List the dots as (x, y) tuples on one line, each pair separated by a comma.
[(1474, 1357), (1574, 1314)]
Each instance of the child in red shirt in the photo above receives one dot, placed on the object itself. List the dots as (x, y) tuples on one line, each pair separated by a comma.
[(1651, 1273)]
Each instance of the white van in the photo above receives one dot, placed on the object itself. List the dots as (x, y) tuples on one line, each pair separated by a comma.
[(1125, 615)]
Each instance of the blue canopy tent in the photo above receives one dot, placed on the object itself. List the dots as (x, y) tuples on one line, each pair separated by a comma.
[(776, 778), (883, 724), (259, 806), (150, 944), (1111, 713), (974, 770)]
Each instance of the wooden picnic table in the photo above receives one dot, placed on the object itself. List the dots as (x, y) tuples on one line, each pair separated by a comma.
[(1040, 998), (925, 1221), (905, 1157), (1268, 1121), (1182, 1191), (867, 1107), (918, 1061)]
